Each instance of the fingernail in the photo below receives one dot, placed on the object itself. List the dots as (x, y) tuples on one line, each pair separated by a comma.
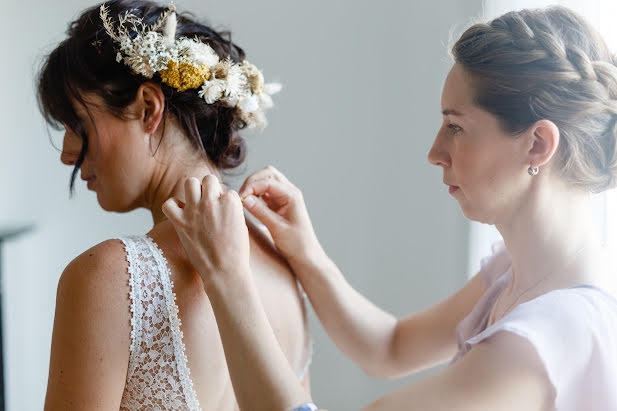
[(249, 201)]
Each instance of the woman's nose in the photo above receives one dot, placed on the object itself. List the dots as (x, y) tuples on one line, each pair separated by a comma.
[(438, 155), (71, 147)]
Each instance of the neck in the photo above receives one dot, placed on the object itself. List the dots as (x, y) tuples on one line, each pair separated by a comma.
[(171, 184), (174, 163), (548, 235)]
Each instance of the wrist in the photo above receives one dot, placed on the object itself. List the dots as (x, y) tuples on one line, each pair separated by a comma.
[(227, 280), (310, 262)]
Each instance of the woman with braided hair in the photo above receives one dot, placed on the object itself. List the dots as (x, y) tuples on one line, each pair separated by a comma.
[(147, 98), (529, 131)]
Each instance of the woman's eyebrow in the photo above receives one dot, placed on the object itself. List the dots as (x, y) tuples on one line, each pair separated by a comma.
[(450, 111)]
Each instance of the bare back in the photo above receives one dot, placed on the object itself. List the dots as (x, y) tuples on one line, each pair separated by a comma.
[(280, 295), (91, 341)]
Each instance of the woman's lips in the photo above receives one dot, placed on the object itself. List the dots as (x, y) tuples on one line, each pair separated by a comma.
[(89, 180), (453, 189)]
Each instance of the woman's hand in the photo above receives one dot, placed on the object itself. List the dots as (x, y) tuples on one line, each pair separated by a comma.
[(212, 229), (279, 205)]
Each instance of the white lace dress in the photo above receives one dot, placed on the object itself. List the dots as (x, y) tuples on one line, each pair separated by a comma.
[(158, 376)]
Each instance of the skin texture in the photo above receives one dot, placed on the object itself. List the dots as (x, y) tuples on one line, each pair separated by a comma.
[(544, 223), (91, 336)]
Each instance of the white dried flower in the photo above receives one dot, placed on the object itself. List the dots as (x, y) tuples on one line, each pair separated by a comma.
[(272, 88), (151, 38), (146, 51), (160, 61), (265, 101), (126, 45), (169, 30), (213, 90), (139, 66), (183, 45), (235, 82), (249, 104), (203, 54), (238, 85)]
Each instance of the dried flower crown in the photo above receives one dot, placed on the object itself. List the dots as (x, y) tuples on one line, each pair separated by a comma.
[(186, 64)]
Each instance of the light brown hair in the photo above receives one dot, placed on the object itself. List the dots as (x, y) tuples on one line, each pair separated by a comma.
[(549, 64)]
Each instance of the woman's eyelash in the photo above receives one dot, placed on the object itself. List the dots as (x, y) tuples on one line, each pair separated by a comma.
[(454, 128)]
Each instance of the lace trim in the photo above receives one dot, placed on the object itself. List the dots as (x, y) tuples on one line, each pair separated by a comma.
[(177, 335), (136, 309)]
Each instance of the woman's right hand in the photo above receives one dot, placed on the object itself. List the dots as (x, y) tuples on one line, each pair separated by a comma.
[(279, 205)]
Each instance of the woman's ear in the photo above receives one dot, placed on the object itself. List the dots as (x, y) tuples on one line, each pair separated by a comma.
[(543, 142), (151, 105)]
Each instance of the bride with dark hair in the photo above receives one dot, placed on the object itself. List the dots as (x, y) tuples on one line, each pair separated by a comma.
[(148, 97)]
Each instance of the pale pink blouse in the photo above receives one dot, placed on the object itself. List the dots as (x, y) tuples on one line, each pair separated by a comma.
[(573, 330)]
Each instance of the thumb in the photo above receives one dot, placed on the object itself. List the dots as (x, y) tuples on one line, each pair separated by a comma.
[(263, 213)]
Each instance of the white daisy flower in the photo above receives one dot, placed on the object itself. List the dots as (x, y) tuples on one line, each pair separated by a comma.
[(212, 91)]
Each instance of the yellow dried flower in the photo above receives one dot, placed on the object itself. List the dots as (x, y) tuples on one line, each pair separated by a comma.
[(184, 76)]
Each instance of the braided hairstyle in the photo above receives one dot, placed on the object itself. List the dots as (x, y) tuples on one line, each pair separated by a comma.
[(86, 62), (549, 64)]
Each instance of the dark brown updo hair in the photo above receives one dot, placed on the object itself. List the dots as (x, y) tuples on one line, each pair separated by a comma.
[(86, 62), (549, 64)]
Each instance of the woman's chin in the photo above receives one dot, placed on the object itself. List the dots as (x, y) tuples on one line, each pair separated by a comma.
[(106, 204), (470, 212), (114, 206), (475, 215)]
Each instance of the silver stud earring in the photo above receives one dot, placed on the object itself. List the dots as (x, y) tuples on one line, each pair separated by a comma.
[(533, 171)]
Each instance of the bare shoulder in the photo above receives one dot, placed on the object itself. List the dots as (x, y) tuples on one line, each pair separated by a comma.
[(97, 263), (97, 280), (265, 258), (91, 334)]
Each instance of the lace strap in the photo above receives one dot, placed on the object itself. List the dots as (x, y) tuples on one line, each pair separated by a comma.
[(179, 348), (131, 248)]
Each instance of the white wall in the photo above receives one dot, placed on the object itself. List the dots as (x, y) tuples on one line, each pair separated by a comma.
[(352, 127)]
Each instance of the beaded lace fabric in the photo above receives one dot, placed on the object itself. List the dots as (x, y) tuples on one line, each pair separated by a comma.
[(158, 376)]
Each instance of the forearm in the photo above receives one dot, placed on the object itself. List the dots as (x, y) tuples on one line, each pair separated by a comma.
[(360, 329), (261, 375)]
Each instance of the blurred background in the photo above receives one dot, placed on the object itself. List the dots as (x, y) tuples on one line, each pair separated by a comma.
[(352, 128)]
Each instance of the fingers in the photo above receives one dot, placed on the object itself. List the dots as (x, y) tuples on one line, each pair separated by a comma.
[(272, 189), (268, 172), (211, 187), (263, 213), (232, 198), (173, 210), (192, 191)]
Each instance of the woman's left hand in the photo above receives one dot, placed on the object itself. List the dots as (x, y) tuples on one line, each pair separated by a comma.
[(212, 229)]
